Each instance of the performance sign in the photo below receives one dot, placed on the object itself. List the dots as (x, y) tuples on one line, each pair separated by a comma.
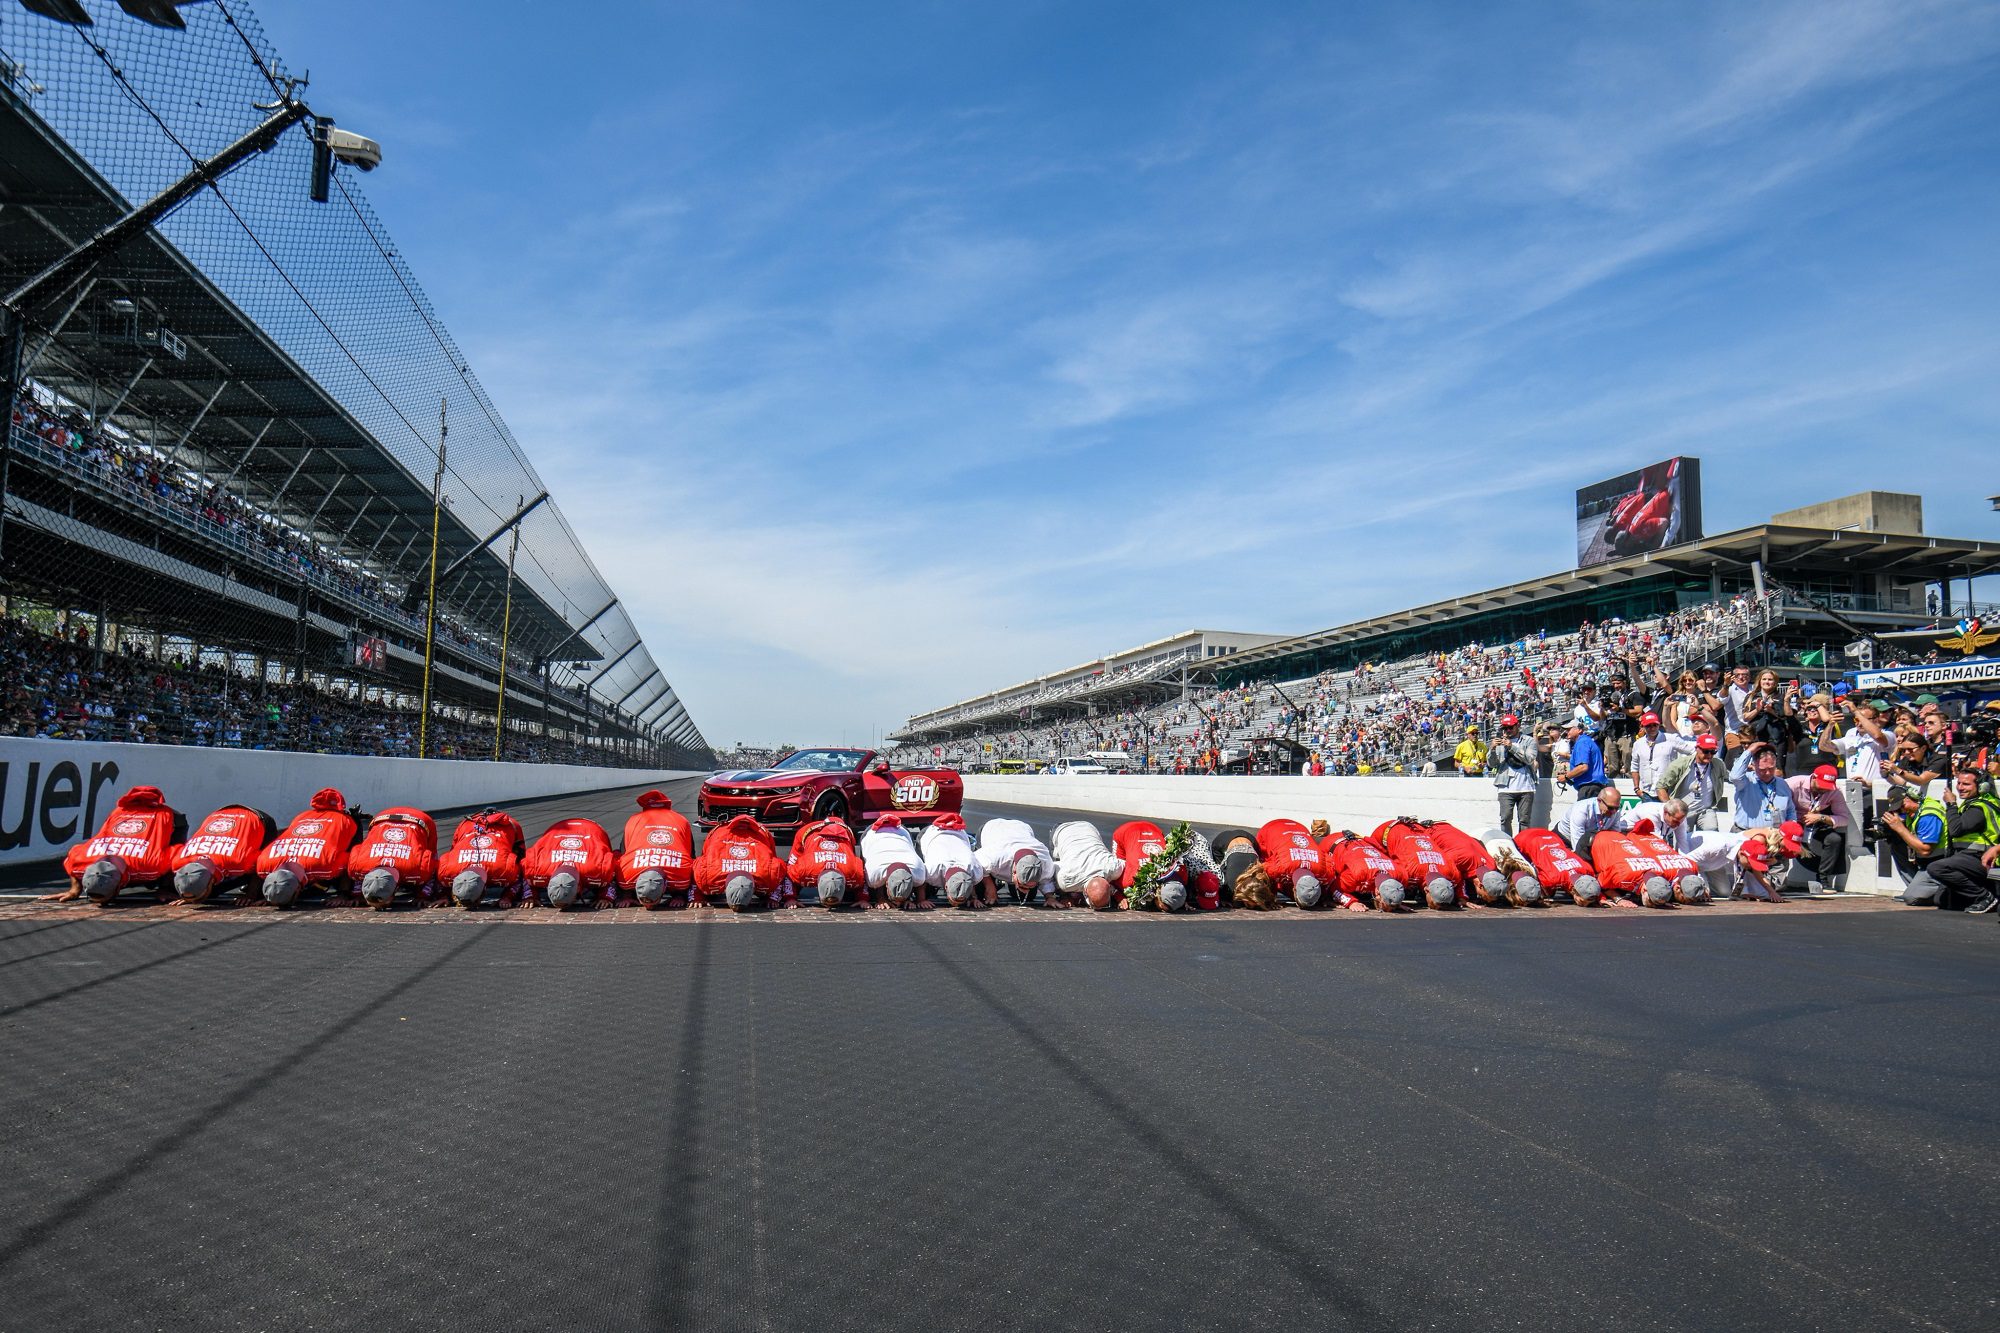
[(1648, 510), (1978, 671)]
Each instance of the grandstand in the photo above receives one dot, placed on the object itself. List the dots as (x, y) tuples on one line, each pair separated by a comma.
[(241, 444), (1392, 694)]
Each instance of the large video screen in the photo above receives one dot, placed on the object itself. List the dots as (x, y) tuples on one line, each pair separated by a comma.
[(1648, 510)]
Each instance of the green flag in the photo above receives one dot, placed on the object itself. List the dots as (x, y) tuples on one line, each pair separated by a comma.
[(1817, 657)]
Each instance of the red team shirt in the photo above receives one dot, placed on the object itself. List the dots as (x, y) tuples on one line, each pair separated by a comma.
[(139, 831), (317, 840), (660, 838)]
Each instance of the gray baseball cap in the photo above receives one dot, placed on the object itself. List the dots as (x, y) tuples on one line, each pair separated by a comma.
[(468, 887), (104, 878), (649, 887), (1389, 894), (1691, 889), (193, 881), (1528, 889), (739, 891), (1586, 889), (899, 883), (1441, 892), (1492, 886), (1306, 891), (1657, 892), (282, 885), (1027, 869), (957, 884), (832, 888), (1172, 895), (379, 885), (563, 888)]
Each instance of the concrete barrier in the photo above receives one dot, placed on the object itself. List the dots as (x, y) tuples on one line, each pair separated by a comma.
[(1353, 803), (54, 793)]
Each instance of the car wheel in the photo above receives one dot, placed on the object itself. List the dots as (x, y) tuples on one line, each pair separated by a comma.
[(832, 805)]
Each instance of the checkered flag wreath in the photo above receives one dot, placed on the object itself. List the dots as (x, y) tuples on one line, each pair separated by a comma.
[(1159, 865)]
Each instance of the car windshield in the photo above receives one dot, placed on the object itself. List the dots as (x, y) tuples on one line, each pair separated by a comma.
[(823, 761)]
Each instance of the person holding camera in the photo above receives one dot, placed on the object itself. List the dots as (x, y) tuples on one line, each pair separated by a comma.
[(1949, 844), (1516, 761)]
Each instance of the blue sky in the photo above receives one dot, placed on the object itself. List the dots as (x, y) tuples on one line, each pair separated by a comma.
[(885, 354)]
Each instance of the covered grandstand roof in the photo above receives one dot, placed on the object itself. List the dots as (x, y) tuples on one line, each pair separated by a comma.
[(1777, 547), (285, 348)]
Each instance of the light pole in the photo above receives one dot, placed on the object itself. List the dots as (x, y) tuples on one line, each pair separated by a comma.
[(329, 145)]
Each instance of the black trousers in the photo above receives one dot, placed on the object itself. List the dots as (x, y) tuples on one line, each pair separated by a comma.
[(1963, 876)]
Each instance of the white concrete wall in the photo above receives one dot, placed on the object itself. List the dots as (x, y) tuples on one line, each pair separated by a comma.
[(1354, 803), (54, 793)]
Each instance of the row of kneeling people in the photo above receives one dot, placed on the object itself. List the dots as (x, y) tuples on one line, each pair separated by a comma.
[(1649, 856)]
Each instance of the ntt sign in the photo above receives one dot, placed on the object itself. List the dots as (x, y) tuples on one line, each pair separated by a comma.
[(1978, 673)]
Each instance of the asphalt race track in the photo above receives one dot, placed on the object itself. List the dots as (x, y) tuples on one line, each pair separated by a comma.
[(1777, 1118)]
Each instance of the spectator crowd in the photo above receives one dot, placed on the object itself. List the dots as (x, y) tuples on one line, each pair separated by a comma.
[(68, 691)]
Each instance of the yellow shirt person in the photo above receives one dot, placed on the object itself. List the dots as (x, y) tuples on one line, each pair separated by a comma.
[(1470, 754)]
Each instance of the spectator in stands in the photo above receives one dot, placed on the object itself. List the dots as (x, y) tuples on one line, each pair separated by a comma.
[(1694, 777), (1652, 750), (1470, 756), (1823, 814), (1760, 798), (1867, 744), (1741, 683), (1589, 710), (1622, 707), (1516, 761), (1585, 769)]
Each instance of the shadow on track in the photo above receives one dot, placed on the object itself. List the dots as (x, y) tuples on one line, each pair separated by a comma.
[(670, 1301), (1305, 1263), (133, 970), (95, 939), (36, 1234)]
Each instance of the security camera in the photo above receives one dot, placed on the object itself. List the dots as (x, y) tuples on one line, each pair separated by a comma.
[(353, 148)]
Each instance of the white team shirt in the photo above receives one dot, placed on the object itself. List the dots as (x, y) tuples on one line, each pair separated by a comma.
[(1081, 855), (1000, 839), (882, 849), (946, 850)]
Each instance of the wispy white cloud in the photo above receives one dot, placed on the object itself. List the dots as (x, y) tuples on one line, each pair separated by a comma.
[(875, 377)]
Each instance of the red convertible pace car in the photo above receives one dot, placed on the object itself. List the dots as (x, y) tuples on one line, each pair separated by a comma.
[(817, 784)]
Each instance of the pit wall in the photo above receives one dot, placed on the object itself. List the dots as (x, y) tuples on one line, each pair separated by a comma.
[(55, 793)]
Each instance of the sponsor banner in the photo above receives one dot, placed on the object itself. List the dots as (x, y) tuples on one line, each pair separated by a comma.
[(56, 793), (1979, 671)]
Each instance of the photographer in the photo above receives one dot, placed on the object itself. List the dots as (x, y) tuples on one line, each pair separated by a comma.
[(1950, 845), (1516, 761), (1623, 706), (1769, 716)]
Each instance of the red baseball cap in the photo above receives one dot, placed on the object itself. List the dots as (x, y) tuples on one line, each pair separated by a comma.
[(1756, 855), (1649, 719), (1707, 743), (1509, 720), (1793, 831), (1825, 776)]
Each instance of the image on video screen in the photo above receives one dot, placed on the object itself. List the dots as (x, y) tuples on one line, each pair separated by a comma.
[(1647, 510)]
